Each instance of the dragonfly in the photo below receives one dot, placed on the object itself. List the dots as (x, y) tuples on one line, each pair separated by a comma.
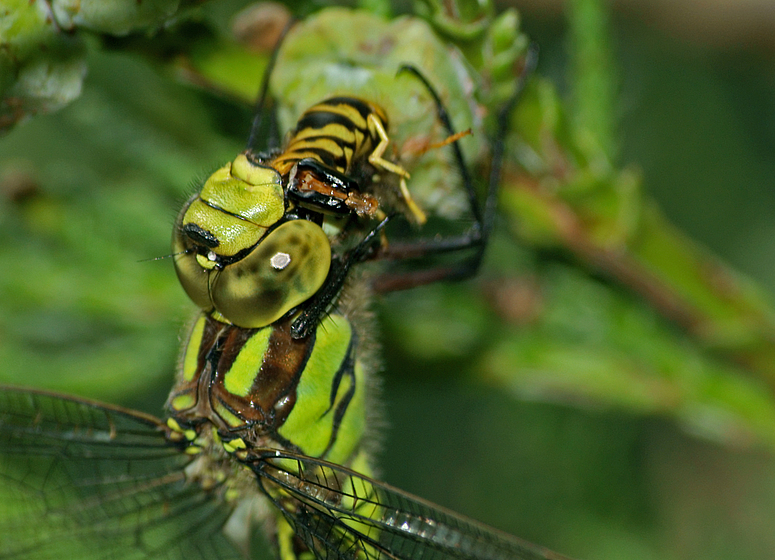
[(267, 420)]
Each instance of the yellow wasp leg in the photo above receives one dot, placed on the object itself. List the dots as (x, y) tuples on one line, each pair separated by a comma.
[(376, 160)]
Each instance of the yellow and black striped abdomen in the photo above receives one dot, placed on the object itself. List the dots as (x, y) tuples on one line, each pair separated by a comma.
[(337, 132)]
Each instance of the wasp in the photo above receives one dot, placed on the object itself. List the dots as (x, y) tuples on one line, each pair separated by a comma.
[(250, 245)]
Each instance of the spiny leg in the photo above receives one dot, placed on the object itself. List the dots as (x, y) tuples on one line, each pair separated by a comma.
[(273, 141), (477, 236), (443, 116), (531, 60)]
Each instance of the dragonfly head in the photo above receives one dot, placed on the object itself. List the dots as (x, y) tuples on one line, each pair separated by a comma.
[(237, 257)]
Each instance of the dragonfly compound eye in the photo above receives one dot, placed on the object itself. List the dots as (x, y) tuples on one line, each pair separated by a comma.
[(235, 208), (285, 269)]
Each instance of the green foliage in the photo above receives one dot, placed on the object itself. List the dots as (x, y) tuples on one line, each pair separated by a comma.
[(42, 62), (41, 69)]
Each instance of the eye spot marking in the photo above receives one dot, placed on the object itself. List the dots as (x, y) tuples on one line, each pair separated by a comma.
[(280, 261)]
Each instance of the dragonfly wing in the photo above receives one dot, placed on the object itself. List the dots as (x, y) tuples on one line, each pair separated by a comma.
[(79, 479), (342, 514)]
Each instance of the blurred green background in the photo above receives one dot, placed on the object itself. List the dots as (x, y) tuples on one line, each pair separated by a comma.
[(88, 196)]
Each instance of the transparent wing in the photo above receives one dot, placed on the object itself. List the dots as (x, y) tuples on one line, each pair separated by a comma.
[(85, 480), (339, 513)]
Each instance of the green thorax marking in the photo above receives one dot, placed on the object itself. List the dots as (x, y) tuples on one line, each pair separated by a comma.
[(269, 389)]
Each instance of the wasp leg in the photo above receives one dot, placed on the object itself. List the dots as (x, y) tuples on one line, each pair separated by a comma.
[(477, 236), (375, 158)]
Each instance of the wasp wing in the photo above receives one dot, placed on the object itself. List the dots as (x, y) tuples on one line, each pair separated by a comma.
[(80, 479), (340, 513)]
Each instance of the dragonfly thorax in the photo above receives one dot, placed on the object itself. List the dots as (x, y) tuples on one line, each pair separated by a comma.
[(268, 389)]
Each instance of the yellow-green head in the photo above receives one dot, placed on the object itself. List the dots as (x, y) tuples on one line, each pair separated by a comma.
[(236, 257)]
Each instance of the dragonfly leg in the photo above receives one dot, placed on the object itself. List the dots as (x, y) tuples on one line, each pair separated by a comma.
[(318, 305), (476, 237), (262, 106)]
